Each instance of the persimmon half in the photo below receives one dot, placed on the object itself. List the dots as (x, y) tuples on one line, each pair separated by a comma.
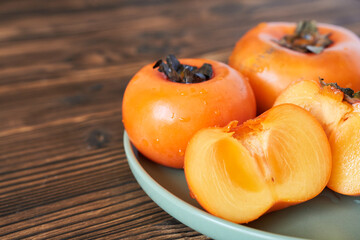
[(160, 116), (274, 54), (240, 172), (339, 114)]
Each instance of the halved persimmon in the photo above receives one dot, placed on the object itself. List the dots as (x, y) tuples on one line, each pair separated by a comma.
[(160, 116), (240, 172), (339, 114), (272, 55)]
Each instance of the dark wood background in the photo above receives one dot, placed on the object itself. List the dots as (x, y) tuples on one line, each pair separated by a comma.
[(64, 66)]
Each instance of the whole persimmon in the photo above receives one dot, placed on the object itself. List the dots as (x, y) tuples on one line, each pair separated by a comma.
[(338, 110), (241, 172), (272, 55), (164, 107)]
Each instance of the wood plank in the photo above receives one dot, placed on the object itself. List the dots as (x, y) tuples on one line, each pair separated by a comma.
[(64, 66)]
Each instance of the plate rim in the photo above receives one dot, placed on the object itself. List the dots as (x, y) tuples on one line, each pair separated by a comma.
[(161, 196)]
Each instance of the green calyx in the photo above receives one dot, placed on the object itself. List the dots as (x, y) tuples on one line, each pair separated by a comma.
[(349, 95), (182, 73), (306, 38)]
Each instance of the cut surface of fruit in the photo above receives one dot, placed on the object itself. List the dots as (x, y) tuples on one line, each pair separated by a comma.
[(240, 172), (321, 102), (341, 122), (215, 181), (345, 142)]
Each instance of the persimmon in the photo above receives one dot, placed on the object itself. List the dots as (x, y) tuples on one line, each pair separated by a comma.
[(338, 110), (272, 55), (160, 116), (240, 172)]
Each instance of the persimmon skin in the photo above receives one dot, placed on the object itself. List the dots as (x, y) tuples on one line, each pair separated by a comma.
[(160, 116), (271, 67)]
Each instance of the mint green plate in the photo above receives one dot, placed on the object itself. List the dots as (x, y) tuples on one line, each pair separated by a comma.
[(328, 216)]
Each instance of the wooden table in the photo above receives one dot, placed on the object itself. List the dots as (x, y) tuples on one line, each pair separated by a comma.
[(64, 66)]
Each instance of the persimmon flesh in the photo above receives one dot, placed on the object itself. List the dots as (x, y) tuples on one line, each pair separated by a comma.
[(271, 67), (240, 172), (341, 121), (160, 116)]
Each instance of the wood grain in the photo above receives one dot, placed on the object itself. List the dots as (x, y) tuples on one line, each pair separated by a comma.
[(64, 66)]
